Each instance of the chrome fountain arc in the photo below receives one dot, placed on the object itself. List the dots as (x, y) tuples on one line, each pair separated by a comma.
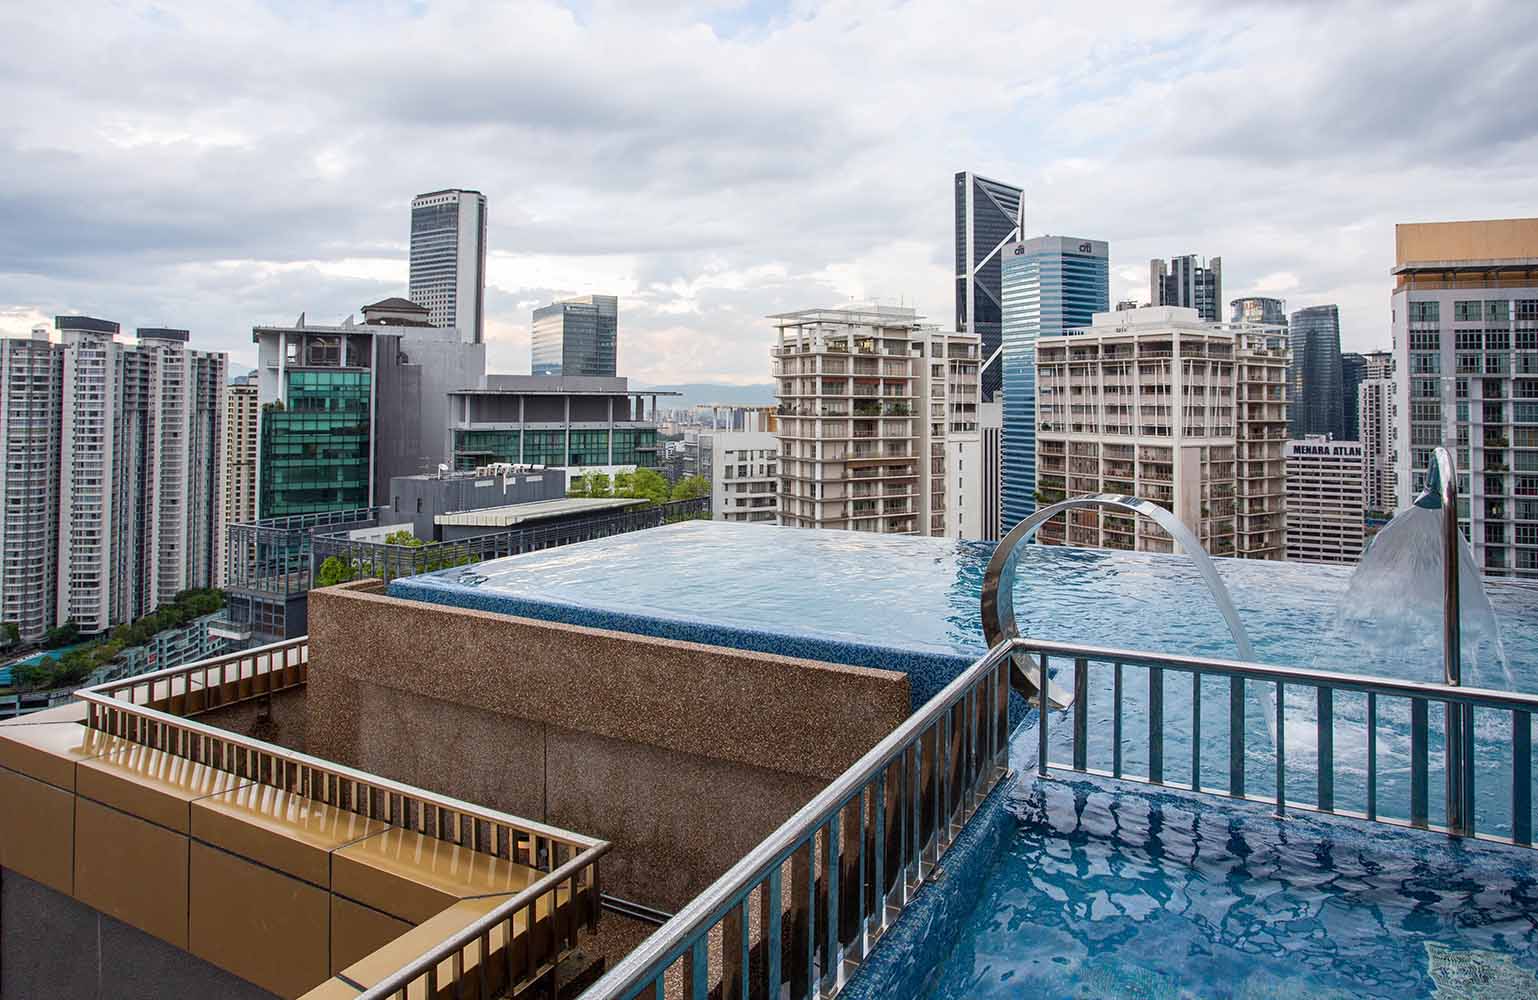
[(998, 599)]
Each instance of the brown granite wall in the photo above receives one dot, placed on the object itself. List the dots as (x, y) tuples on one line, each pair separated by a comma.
[(683, 755)]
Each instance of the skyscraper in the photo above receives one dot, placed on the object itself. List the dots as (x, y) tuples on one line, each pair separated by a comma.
[(1051, 284), (1318, 403), (31, 380), (1376, 412), (112, 465), (448, 259), (989, 214), (576, 337), (1188, 281), (241, 408), (1465, 315)]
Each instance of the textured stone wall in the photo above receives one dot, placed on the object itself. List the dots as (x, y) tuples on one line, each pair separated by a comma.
[(683, 755)]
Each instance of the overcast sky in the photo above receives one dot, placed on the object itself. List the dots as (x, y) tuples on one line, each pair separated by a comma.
[(216, 165)]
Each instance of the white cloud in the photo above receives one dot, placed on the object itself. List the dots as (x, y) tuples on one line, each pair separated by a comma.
[(225, 164)]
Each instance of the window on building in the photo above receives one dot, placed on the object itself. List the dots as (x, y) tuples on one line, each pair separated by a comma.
[(1468, 311), (1425, 312), (1497, 310)]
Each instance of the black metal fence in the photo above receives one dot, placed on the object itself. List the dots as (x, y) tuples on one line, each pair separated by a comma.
[(337, 558)]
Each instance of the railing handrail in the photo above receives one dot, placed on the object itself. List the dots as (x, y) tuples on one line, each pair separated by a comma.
[(107, 687), (454, 943), (670, 941), (94, 696), (1305, 676)]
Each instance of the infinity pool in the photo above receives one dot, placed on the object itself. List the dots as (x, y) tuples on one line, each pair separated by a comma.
[(1101, 894), (912, 604)]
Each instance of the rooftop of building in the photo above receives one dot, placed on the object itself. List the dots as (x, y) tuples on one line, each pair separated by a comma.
[(89, 324), (558, 385), (1474, 245), (873, 314), (540, 510)]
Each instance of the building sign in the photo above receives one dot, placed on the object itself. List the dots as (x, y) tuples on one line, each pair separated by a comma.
[(1333, 449)]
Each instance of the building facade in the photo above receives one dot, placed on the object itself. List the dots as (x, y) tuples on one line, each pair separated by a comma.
[(1143, 402), (448, 260), (31, 379), (745, 476), (114, 464), (1318, 401), (344, 409), (1261, 363), (576, 337), (1465, 315), (1051, 284), (1188, 281), (1325, 490), (565, 421), (1259, 309), (989, 215), (1378, 410), (241, 410), (868, 398)]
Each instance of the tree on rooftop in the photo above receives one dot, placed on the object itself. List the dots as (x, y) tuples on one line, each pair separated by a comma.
[(648, 484), (691, 488)]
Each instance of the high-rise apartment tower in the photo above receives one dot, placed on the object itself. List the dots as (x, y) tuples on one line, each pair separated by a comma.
[(1465, 315), (1318, 400)]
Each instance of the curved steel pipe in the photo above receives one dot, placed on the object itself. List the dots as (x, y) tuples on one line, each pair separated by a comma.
[(1441, 493), (999, 582)]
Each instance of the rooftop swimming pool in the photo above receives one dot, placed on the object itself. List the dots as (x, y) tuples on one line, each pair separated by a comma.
[(873, 600), (1088, 888), (1099, 894)]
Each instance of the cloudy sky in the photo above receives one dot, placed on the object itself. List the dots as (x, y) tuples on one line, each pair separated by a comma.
[(215, 165)]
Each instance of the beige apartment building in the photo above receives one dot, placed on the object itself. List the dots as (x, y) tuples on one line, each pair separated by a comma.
[(242, 411), (1158, 404), (868, 399)]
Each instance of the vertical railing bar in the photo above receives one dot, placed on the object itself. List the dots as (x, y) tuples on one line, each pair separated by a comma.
[(774, 904), (1418, 748), (1116, 696), (833, 855), (1196, 730), (1236, 749), (879, 861), (1156, 725), (1080, 713), (1041, 718), (1281, 748), (1326, 743), (1372, 755), (699, 969), (1522, 777)]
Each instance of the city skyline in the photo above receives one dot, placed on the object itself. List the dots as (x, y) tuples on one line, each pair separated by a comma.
[(178, 212)]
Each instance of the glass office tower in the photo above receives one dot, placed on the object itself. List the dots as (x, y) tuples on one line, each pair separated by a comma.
[(1049, 285), (988, 216), (576, 337), (448, 260), (315, 449), (1318, 403)]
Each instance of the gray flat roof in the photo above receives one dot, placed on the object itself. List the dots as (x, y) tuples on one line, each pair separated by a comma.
[(518, 513)]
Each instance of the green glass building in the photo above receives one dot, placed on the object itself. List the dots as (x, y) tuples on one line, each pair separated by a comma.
[(316, 448)]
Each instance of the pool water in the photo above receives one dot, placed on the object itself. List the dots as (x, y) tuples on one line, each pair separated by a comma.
[(914, 604), (1103, 894)]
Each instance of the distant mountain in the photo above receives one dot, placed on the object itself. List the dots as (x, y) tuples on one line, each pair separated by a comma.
[(694, 393), (236, 371)]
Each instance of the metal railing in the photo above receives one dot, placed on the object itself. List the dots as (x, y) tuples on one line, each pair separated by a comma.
[(857, 853), (146, 710), (1240, 675), (388, 561)]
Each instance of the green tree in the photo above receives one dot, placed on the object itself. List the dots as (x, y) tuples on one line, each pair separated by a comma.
[(334, 570), (11, 631), (64, 635), (691, 488), (648, 484), (403, 537)]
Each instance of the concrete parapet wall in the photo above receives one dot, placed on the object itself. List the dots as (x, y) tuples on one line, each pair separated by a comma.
[(683, 755)]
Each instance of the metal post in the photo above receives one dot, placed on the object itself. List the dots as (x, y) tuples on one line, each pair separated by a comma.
[(1442, 491)]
